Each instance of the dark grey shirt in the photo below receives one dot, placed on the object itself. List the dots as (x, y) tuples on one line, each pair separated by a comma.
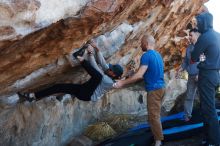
[(190, 68), (106, 83)]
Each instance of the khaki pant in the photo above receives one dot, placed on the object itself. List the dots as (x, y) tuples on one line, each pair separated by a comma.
[(154, 101)]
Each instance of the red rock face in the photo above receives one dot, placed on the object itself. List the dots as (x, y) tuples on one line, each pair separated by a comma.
[(22, 55)]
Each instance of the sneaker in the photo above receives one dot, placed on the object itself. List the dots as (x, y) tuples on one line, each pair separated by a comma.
[(206, 144), (80, 52), (26, 97), (187, 119), (158, 143), (209, 145)]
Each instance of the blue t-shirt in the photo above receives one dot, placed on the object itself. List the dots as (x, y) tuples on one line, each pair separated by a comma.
[(154, 76)]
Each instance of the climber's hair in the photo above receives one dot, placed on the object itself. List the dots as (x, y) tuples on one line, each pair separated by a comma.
[(149, 38)]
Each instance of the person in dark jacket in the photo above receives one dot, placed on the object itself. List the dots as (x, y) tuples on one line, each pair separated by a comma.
[(208, 44), (101, 80)]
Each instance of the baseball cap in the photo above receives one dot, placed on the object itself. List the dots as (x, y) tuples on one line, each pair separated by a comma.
[(117, 69)]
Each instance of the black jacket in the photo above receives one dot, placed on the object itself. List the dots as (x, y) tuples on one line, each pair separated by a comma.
[(208, 43)]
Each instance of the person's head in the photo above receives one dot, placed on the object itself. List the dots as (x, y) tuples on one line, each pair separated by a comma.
[(193, 33), (204, 21), (203, 9), (147, 42), (115, 71), (89, 46)]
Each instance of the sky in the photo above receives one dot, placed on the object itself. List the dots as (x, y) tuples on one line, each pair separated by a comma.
[(214, 8)]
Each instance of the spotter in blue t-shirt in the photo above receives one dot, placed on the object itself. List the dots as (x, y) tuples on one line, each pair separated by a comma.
[(154, 76)]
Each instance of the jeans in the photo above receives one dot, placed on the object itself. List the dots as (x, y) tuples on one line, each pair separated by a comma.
[(191, 92), (207, 83)]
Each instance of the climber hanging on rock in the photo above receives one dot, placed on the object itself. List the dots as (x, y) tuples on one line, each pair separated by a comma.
[(101, 81)]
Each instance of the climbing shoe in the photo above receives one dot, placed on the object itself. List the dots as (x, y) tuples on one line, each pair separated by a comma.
[(80, 52), (26, 96)]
